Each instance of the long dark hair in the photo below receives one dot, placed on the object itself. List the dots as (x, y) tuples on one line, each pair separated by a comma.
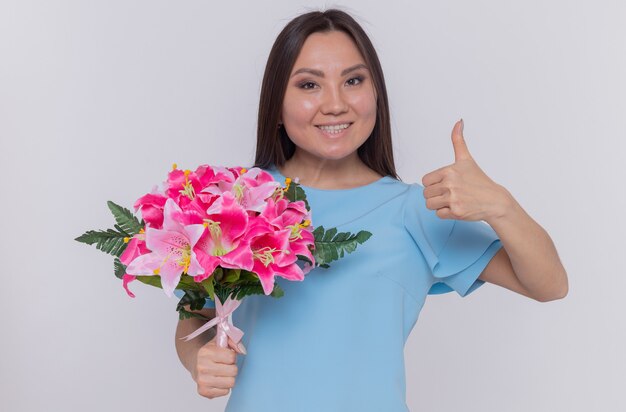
[(273, 143)]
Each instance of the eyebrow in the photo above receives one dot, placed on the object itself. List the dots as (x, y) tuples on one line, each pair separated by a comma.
[(320, 73)]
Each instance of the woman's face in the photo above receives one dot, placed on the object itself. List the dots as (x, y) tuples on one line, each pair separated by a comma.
[(329, 109)]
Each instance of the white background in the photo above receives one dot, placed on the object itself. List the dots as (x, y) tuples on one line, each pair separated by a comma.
[(98, 98)]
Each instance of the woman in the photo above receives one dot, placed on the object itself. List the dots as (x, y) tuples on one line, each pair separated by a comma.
[(335, 342)]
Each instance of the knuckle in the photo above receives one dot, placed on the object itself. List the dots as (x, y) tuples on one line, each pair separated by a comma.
[(204, 352), (230, 381), (203, 381), (205, 391), (202, 369), (457, 209)]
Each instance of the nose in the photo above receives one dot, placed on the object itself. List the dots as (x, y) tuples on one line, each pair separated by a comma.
[(333, 102)]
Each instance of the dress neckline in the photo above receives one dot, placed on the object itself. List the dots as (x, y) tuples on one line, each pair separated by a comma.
[(351, 189)]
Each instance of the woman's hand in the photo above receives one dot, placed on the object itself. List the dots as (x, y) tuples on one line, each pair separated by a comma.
[(462, 190), (215, 368)]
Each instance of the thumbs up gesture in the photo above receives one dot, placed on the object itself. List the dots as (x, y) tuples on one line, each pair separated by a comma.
[(462, 190)]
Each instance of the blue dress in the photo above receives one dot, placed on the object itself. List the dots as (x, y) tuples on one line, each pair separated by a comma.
[(335, 342)]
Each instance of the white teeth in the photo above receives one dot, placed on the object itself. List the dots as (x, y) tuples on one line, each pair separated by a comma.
[(334, 129)]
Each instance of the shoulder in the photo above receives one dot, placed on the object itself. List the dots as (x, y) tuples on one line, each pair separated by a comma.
[(414, 196), (422, 223)]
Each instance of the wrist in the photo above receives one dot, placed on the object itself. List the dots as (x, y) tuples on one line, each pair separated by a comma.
[(504, 209)]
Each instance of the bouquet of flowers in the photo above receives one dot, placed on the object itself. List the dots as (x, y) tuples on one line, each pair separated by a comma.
[(219, 233)]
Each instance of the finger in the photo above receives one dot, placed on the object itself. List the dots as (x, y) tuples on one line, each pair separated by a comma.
[(217, 382), (209, 392), (210, 370), (224, 355), (237, 347), (444, 213), (461, 151), (224, 382), (433, 177), (437, 189), (226, 370), (437, 202)]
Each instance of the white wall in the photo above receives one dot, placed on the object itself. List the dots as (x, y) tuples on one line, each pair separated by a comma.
[(98, 98)]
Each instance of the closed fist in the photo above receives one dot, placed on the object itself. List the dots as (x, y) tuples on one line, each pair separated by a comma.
[(215, 370)]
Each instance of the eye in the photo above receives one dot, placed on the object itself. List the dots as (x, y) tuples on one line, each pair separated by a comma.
[(355, 80), (306, 85)]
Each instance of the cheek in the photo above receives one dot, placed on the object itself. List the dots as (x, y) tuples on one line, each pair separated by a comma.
[(305, 108), (364, 102), (295, 110), (366, 107)]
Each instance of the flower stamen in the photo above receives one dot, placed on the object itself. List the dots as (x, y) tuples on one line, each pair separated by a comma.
[(188, 189)]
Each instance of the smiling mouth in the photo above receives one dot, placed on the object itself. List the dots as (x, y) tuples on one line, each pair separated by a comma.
[(334, 129)]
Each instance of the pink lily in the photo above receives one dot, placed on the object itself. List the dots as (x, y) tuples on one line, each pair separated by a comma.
[(171, 250), (126, 279), (251, 188), (282, 214), (223, 244), (151, 206), (222, 180), (135, 248), (272, 255), (183, 186)]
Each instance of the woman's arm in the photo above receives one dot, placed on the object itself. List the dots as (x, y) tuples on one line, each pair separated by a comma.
[(529, 263), (188, 351)]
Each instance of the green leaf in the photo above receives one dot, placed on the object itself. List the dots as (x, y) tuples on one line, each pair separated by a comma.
[(151, 280), (187, 283), (342, 236), (277, 292), (329, 234), (184, 314), (330, 245), (295, 193), (126, 221), (304, 258), (248, 276), (246, 289), (195, 300), (208, 287), (119, 268), (318, 233), (109, 241), (218, 273), (222, 291), (232, 275)]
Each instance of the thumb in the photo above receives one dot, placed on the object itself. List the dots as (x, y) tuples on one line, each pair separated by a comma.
[(237, 347), (458, 142)]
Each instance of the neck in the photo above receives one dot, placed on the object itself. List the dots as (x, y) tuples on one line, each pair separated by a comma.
[(328, 173)]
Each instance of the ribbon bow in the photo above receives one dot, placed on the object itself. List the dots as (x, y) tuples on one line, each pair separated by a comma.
[(224, 325)]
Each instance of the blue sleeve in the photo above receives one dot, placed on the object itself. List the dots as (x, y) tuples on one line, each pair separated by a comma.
[(207, 304), (456, 251)]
